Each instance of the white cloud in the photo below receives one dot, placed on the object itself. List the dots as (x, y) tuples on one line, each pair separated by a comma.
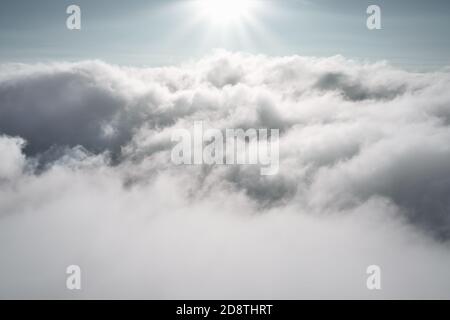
[(13, 161), (364, 179)]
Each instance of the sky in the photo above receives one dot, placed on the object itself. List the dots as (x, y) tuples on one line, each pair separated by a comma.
[(151, 33), (88, 177)]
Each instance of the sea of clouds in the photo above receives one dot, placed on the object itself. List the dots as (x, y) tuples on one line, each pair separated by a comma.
[(86, 178)]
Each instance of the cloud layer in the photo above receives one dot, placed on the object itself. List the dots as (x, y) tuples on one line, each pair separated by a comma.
[(86, 178)]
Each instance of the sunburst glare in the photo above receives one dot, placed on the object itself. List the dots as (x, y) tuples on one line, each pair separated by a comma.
[(225, 12)]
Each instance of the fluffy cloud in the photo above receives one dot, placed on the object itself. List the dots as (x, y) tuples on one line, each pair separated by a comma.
[(86, 179), (13, 160)]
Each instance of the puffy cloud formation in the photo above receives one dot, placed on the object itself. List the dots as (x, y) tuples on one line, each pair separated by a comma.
[(86, 179)]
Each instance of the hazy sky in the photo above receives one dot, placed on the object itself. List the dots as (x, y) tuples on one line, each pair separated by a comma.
[(140, 32)]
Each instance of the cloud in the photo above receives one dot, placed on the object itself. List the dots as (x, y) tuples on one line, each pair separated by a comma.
[(86, 178), (13, 160)]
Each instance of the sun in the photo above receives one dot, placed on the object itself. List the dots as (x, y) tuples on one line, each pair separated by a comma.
[(225, 11)]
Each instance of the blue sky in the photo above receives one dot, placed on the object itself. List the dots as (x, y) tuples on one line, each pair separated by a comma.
[(138, 32)]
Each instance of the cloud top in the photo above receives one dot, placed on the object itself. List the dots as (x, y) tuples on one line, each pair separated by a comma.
[(86, 176)]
